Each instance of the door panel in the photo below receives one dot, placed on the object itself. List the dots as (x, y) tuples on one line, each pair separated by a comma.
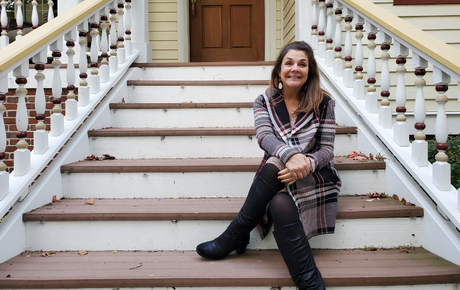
[(227, 30)]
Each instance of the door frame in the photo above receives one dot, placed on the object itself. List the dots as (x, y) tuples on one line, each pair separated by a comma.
[(183, 34)]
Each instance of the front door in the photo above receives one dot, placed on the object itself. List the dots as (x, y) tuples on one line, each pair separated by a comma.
[(227, 30)]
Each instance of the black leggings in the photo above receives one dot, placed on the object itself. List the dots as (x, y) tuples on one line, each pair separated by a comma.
[(282, 206)]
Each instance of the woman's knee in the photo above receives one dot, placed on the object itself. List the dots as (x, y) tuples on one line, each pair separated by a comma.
[(283, 210)]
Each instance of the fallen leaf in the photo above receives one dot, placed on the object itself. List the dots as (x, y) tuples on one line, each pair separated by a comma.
[(394, 196), (405, 250), (360, 158), (108, 157), (260, 261), (409, 204), (82, 253), (371, 157), (47, 254), (90, 201), (370, 200), (8, 276), (372, 249)]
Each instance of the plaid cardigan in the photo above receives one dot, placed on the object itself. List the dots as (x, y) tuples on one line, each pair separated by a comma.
[(315, 195)]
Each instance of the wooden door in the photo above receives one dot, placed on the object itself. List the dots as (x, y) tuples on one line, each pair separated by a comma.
[(227, 30)]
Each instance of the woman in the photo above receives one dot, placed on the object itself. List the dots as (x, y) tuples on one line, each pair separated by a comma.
[(295, 126)]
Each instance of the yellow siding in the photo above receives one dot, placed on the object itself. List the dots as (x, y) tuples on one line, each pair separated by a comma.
[(163, 30), (289, 21), (279, 41)]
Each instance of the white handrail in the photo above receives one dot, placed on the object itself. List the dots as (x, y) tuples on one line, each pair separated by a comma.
[(15, 58), (425, 50)]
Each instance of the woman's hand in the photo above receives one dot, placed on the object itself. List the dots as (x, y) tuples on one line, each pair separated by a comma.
[(297, 167)]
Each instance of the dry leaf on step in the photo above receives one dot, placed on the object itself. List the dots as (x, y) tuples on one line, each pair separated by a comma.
[(90, 201), (82, 253)]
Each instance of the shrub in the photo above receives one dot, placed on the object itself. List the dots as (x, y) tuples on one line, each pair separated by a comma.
[(453, 152)]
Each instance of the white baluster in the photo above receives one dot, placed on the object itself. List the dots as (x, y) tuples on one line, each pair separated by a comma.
[(50, 10), (371, 96), (19, 19), (385, 118), (338, 63), (83, 89), (329, 35), (121, 33), (348, 72), (128, 42), (358, 84), (113, 60), (4, 39), (321, 29), (314, 24), (94, 79), (34, 15), (4, 175), (419, 145), (22, 153), (57, 119), (40, 134), (71, 105), (400, 127), (104, 69), (441, 169)]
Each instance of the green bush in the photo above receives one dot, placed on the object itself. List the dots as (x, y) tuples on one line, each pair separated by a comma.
[(453, 152)]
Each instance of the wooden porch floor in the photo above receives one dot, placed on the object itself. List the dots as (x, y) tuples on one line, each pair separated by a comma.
[(187, 269)]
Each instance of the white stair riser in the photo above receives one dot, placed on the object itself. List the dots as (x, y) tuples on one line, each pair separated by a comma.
[(182, 118), (193, 146), (163, 235), (207, 73), (195, 94), (406, 287), (193, 184)]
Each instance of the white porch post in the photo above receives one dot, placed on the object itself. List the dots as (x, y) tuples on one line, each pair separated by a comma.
[(140, 31), (303, 20)]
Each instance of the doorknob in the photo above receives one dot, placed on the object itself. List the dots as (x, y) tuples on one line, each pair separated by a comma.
[(193, 7)]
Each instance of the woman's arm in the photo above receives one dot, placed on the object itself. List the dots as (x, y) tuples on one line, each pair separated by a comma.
[(265, 133), (323, 152)]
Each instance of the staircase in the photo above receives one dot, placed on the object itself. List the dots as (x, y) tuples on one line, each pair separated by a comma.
[(185, 155)]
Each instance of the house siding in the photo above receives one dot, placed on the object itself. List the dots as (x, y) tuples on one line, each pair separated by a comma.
[(288, 21), (163, 30)]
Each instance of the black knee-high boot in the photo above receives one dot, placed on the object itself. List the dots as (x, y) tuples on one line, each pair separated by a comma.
[(236, 236), (295, 249)]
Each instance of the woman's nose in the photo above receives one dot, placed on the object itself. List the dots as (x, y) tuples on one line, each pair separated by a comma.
[(295, 68)]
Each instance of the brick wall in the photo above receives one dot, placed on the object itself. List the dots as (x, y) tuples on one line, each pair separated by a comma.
[(10, 120)]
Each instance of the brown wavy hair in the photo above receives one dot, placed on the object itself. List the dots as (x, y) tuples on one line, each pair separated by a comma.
[(310, 98)]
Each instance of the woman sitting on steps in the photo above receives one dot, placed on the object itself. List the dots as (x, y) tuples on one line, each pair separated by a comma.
[(295, 126)]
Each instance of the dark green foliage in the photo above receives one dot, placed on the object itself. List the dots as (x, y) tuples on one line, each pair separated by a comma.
[(453, 152)]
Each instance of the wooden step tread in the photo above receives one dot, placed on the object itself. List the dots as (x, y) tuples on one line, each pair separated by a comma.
[(252, 269), (235, 105), (349, 207), (197, 165), (200, 83), (204, 64), (131, 132)]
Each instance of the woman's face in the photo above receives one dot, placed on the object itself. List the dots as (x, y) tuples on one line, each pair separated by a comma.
[(294, 69)]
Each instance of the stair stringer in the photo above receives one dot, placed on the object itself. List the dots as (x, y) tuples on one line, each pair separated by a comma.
[(440, 236), (49, 184)]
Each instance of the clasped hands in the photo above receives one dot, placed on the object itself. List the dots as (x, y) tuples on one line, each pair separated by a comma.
[(297, 167)]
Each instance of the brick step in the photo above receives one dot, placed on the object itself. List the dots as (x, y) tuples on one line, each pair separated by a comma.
[(253, 269), (207, 177), (192, 142), (349, 207)]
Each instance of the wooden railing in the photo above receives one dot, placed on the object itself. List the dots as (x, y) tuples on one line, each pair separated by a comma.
[(341, 59), (106, 68)]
